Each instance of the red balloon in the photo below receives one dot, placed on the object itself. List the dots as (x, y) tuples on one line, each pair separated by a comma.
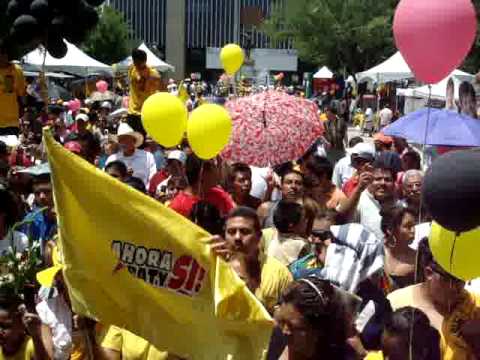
[(434, 36)]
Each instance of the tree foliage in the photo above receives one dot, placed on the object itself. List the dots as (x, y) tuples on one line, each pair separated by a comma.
[(354, 34), (350, 34), (110, 41)]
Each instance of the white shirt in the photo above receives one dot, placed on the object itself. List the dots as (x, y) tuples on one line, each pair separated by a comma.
[(141, 162), (343, 171), (386, 116), (56, 314), (368, 214), (20, 241)]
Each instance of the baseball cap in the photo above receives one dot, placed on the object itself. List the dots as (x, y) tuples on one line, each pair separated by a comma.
[(177, 155), (106, 105), (364, 151), (82, 117), (388, 140)]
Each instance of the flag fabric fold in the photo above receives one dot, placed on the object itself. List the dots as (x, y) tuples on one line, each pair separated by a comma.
[(131, 262)]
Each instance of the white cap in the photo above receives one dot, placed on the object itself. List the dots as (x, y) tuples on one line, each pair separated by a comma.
[(82, 117), (177, 155), (106, 105), (363, 149)]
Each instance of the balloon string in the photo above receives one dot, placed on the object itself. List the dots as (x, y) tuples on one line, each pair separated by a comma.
[(452, 252), (43, 82), (424, 148)]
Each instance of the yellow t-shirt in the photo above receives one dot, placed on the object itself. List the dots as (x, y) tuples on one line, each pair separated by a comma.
[(452, 346), (275, 278), (26, 351), (141, 88), (12, 85), (377, 355), (131, 346)]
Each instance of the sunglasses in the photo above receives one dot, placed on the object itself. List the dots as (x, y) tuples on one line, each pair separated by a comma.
[(322, 235)]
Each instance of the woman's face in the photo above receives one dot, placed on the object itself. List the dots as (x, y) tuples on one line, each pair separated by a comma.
[(300, 335), (405, 232), (292, 187), (242, 184)]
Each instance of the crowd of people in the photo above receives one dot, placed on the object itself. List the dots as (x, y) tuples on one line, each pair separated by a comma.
[(331, 244)]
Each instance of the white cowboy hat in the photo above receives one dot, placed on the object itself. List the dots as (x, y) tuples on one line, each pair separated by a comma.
[(125, 130)]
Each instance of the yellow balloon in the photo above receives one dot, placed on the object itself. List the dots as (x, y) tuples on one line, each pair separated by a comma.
[(457, 255), (232, 57), (208, 130), (164, 117)]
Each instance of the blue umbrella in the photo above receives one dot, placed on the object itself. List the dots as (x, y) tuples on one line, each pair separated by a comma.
[(445, 127)]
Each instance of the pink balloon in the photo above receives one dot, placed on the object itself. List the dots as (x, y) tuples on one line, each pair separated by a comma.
[(102, 86), (74, 105), (434, 36)]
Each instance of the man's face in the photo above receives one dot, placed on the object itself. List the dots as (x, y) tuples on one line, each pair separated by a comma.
[(175, 167), (382, 187), (11, 328), (361, 164), (43, 194), (113, 172), (321, 236), (141, 66), (413, 188), (242, 183), (292, 187), (241, 236), (127, 143)]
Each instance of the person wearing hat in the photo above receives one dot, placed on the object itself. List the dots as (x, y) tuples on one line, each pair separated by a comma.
[(343, 170), (140, 163), (175, 167), (382, 142), (362, 157)]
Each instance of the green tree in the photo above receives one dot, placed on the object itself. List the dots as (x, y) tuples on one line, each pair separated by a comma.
[(110, 41), (350, 34)]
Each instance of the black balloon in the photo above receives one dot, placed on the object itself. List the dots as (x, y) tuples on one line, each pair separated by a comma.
[(451, 190), (40, 9), (14, 10), (88, 17), (95, 2), (57, 47)]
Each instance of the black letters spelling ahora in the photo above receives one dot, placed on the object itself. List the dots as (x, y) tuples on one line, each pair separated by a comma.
[(159, 268)]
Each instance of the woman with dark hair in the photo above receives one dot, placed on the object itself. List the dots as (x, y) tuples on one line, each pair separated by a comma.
[(207, 217), (398, 225), (316, 319), (408, 334), (451, 309)]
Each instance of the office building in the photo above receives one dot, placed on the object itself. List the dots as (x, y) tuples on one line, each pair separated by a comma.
[(190, 33)]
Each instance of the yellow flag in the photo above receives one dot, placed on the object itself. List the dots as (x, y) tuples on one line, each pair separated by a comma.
[(182, 92), (131, 262)]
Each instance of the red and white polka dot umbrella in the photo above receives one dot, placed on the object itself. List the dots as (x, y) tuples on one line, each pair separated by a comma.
[(271, 128)]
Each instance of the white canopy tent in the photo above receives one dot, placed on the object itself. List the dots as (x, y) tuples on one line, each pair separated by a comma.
[(392, 69), (323, 73), (152, 61), (75, 62), (438, 90)]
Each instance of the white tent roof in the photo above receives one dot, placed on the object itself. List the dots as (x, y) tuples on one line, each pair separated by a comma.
[(394, 68), (439, 90), (152, 61), (75, 62), (323, 73)]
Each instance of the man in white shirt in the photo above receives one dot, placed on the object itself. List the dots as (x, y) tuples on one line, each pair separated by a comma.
[(344, 170), (140, 164), (375, 191), (386, 116)]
